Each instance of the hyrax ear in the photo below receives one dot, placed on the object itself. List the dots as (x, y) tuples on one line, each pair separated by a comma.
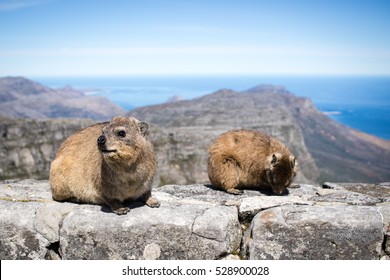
[(143, 126), (274, 158)]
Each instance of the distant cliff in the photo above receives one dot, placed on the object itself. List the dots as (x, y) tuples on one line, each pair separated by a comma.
[(326, 150), (23, 98), (28, 146)]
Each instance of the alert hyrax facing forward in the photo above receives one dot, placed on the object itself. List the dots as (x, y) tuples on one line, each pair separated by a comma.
[(106, 163), (246, 158)]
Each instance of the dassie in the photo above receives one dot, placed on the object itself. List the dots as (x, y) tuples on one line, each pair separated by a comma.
[(106, 163), (246, 158)]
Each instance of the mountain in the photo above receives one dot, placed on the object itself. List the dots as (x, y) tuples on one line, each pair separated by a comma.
[(23, 98), (326, 150)]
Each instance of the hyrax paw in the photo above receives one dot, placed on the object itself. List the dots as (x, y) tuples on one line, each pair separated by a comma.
[(234, 191), (121, 211), (153, 203)]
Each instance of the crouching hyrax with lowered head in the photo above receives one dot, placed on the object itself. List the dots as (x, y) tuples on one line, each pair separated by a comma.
[(246, 158), (106, 163)]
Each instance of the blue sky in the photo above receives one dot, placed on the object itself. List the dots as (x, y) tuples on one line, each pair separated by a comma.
[(170, 37)]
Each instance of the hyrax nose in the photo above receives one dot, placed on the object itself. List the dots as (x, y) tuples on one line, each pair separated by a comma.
[(101, 140)]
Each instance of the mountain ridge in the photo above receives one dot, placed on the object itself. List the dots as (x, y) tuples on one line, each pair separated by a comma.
[(24, 98)]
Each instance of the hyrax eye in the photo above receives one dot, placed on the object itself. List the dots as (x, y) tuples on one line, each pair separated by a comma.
[(121, 133)]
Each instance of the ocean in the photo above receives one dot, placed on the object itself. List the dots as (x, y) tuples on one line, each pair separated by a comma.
[(356, 101)]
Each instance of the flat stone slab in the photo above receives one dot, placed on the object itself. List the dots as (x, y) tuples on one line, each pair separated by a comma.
[(380, 190), (317, 233), (25, 191), (178, 231)]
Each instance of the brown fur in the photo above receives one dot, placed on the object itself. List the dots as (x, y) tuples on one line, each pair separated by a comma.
[(106, 163), (245, 158)]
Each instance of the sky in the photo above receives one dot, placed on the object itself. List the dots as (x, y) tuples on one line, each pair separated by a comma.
[(186, 37)]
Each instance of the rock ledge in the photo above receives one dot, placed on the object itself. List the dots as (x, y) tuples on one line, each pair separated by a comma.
[(335, 221)]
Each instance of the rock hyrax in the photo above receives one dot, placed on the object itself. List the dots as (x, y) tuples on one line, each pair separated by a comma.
[(246, 158), (106, 163)]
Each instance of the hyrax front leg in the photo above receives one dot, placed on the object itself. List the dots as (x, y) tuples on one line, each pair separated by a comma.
[(151, 201), (118, 207)]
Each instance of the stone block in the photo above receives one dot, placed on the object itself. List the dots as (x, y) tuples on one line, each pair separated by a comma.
[(316, 233)]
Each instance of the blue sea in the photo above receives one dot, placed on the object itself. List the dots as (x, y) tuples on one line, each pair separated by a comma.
[(359, 102)]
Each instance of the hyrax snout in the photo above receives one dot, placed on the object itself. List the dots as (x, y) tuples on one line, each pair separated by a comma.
[(246, 158), (107, 163)]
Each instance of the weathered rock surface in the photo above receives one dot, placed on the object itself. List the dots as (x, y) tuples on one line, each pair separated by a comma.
[(174, 231), (336, 221), (317, 232)]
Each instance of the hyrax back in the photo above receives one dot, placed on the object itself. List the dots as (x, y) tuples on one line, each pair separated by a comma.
[(246, 158), (106, 163)]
